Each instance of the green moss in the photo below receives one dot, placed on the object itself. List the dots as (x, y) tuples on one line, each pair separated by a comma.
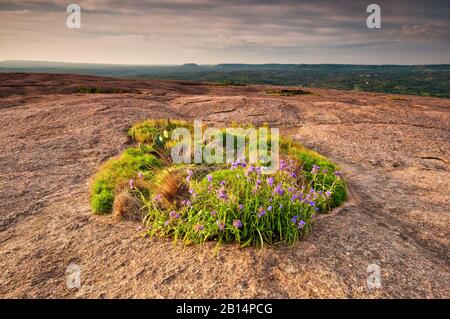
[(118, 171)]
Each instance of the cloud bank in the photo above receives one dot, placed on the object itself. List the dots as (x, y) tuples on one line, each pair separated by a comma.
[(212, 31)]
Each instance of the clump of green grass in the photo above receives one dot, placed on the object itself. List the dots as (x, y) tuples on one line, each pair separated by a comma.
[(91, 90), (287, 92), (225, 202), (116, 173)]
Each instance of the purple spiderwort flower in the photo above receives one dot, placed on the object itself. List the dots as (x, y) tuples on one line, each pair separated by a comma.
[(140, 175), (338, 174), (294, 219), (210, 178), (262, 212), (213, 213), (199, 228), (237, 223), (189, 175), (221, 225), (174, 214), (315, 169), (157, 198), (166, 223), (283, 165), (270, 181), (249, 170), (327, 193), (301, 224), (241, 207), (293, 175), (279, 190), (222, 194), (131, 183), (222, 183), (186, 202), (269, 208)]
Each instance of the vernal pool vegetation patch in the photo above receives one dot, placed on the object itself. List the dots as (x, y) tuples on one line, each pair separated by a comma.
[(232, 202)]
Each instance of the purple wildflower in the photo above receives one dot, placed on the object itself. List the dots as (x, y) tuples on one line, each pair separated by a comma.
[(174, 214), (294, 219), (221, 225), (241, 207), (338, 173), (210, 178), (269, 208), (189, 175), (222, 194), (140, 175), (157, 198), (279, 190), (186, 202), (131, 183), (327, 193), (315, 169), (283, 165), (293, 175), (166, 223), (213, 213), (262, 212), (270, 181), (237, 223), (301, 223), (199, 227)]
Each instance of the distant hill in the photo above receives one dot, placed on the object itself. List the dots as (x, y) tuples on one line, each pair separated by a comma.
[(425, 80)]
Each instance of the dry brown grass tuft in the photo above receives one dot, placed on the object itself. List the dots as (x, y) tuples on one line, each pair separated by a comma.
[(127, 207), (171, 185)]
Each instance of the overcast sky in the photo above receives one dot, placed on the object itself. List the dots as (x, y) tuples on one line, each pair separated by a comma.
[(213, 31)]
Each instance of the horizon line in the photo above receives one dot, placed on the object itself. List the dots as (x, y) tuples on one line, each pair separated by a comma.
[(227, 63)]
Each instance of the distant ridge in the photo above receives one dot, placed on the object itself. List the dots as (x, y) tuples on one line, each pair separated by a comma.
[(425, 80)]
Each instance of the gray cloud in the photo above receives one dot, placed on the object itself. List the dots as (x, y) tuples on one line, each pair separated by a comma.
[(213, 31)]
